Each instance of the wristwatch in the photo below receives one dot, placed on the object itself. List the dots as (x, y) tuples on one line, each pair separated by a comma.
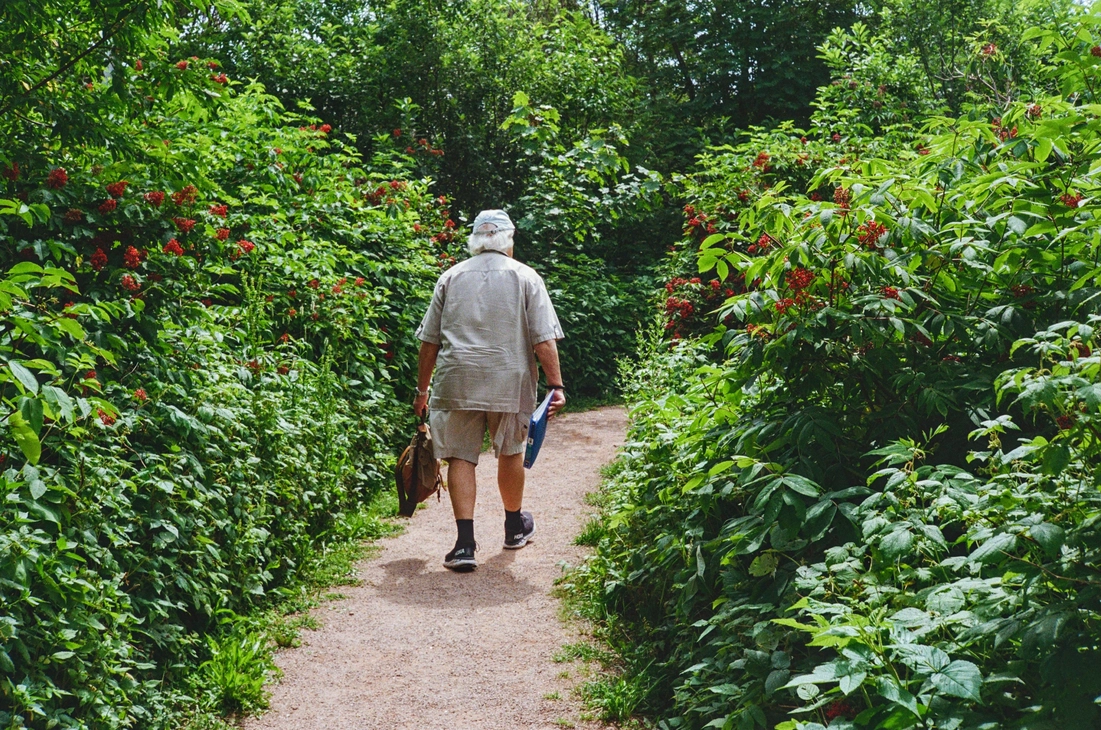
[(422, 393)]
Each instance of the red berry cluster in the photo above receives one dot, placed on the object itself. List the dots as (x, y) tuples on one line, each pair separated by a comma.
[(99, 259), (73, 215), (219, 210), (117, 189), (799, 279), (222, 234), (1021, 290), (105, 418), (140, 395), (57, 178), (762, 163), (154, 198), (184, 225), (173, 247), (108, 206), (129, 283), (764, 243), (890, 292), (1002, 132), (1034, 111), (869, 234), (219, 78), (185, 196), (1071, 200), (10, 172), (133, 257)]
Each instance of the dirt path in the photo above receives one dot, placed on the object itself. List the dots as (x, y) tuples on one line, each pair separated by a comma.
[(417, 646)]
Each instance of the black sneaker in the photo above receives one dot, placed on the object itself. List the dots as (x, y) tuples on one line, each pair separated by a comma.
[(517, 540), (461, 559)]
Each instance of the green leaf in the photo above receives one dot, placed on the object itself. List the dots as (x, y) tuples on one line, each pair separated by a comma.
[(1049, 536), (25, 377), (25, 437), (764, 564), (959, 679), (896, 543), (890, 690), (995, 548)]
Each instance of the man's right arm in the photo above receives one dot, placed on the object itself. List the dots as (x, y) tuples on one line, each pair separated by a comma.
[(547, 352), (426, 363)]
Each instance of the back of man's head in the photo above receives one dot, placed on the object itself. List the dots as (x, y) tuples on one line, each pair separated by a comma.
[(493, 231)]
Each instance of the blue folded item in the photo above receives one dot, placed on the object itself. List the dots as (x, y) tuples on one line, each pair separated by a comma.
[(537, 429)]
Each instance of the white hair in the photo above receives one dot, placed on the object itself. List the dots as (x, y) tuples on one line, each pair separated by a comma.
[(492, 240)]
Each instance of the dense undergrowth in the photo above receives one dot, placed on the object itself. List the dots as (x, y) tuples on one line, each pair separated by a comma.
[(874, 503), (203, 328)]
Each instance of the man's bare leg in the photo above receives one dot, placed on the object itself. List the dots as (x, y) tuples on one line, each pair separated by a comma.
[(510, 480), (463, 488)]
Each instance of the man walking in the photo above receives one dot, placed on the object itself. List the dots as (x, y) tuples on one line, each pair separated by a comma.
[(489, 319)]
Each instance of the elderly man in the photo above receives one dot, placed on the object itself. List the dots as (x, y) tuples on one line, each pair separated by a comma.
[(489, 318)]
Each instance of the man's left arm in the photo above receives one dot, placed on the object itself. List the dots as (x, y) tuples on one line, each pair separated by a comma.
[(547, 352)]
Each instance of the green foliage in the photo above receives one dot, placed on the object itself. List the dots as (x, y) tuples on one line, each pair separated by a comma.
[(714, 67), (875, 503), (457, 63), (202, 330)]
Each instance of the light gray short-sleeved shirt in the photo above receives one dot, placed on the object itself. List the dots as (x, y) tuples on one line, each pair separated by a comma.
[(486, 314)]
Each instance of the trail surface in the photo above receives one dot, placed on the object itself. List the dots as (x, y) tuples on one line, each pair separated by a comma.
[(417, 646)]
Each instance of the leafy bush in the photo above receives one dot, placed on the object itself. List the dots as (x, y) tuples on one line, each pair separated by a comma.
[(202, 338), (827, 525)]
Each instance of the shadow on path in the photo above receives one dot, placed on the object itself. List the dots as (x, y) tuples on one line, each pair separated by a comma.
[(413, 582)]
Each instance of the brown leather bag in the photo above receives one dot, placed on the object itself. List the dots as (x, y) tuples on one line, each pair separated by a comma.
[(418, 472)]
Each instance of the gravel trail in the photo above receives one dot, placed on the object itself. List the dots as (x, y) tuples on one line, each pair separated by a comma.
[(417, 646)]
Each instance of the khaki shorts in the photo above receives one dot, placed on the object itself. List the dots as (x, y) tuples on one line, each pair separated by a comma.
[(460, 434)]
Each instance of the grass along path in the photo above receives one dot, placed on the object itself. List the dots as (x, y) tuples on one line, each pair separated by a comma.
[(417, 646)]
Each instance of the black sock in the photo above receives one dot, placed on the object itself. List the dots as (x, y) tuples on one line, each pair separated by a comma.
[(513, 522), (466, 533)]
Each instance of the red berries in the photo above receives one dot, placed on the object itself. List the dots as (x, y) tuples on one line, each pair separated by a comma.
[(313, 283), (988, 50), (360, 281), (105, 418), (764, 243), (117, 189), (1071, 200), (132, 258), (154, 198), (173, 247), (99, 259), (74, 215), (219, 210), (869, 233), (185, 196), (1096, 51), (292, 312), (10, 172), (799, 279), (58, 178), (1034, 111), (1065, 422), (140, 395), (762, 162), (219, 78), (889, 292), (326, 128), (222, 234), (182, 65), (184, 225), (841, 196), (129, 283), (108, 206), (784, 305)]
